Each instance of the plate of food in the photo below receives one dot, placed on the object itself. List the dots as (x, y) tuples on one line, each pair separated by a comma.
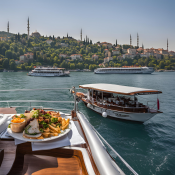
[(38, 125)]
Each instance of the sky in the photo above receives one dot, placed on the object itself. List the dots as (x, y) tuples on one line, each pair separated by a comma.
[(100, 20)]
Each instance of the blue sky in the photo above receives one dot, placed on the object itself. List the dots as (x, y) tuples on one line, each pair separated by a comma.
[(100, 20)]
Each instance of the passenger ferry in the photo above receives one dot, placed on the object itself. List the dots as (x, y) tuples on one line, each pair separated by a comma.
[(124, 70), (118, 101), (49, 72)]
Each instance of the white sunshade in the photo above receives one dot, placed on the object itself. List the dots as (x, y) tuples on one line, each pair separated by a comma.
[(118, 89)]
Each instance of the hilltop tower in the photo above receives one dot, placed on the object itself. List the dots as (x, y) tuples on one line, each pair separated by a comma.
[(167, 44), (8, 27), (130, 40), (137, 40), (81, 35), (28, 27)]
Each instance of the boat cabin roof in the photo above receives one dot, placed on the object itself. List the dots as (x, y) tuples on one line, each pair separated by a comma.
[(118, 89)]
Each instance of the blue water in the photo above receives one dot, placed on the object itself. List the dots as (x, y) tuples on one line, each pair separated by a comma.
[(149, 148)]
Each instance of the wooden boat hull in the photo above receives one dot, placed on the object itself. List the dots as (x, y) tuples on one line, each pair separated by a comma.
[(131, 116)]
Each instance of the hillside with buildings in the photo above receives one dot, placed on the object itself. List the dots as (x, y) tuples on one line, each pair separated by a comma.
[(22, 52)]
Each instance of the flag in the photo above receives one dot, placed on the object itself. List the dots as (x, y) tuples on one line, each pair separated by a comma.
[(158, 105)]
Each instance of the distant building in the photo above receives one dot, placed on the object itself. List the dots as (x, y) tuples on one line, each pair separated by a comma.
[(115, 52), (140, 49), (172, 53), (107, 45), (120, 57), (95, 57), (4, 38), (162, 51), (63, 55), (106, 50), (124, 50), (108, 59), (127, 55), (26, 57), (131, 51), (17, 62), (49, 41), (109, 54), (158, 56), (36, 34), (143, 55), (64, 44), (76, 56)]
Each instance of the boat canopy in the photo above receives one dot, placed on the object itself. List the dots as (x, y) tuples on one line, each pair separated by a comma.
[(118, 89)]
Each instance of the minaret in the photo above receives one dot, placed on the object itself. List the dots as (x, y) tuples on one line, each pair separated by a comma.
[(167, 44), (28, 27), (8, 27), (130, 40), (137, 40), (81, 34)]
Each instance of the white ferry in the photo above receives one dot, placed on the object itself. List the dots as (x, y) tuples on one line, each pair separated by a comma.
[(118, 101), (124, 70), (49, 72)]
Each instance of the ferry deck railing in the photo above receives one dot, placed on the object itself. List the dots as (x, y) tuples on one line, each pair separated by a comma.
[(75, 109)]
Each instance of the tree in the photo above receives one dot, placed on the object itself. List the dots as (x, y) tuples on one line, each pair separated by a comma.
[(5, 63), (12, 64), (72, 66), (8, 54), (161, 65)]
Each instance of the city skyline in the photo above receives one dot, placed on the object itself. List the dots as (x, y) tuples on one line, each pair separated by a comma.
[(150, 35)]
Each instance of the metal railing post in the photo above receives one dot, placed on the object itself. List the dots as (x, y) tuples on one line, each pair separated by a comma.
[(75, 107)]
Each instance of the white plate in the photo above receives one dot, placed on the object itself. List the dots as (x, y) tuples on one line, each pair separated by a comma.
[(20, 135)]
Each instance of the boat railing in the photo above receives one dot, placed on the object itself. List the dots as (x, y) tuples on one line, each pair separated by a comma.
[(112, 149), (30, 106)]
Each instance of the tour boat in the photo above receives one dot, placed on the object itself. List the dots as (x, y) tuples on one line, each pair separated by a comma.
[(86, 157), (49, 72), (115, 101), (124, 70)]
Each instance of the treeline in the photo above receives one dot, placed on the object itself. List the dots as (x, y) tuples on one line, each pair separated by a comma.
[(48, 54)]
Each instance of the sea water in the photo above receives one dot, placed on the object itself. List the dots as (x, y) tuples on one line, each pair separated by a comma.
[(149, 148)]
